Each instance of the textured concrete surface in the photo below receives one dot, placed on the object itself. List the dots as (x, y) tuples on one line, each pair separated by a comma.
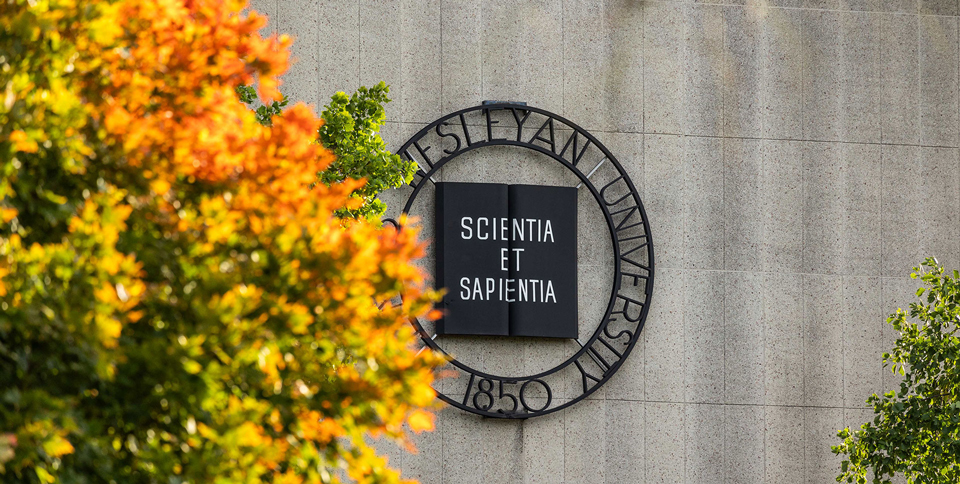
[(796, 158)]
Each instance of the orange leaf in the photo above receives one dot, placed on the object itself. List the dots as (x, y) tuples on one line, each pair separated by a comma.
[(22, 143), (7, 214)]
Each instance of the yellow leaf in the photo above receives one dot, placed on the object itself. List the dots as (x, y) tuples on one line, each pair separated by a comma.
[(56, 446), (421, 421), (44, 475), (192, 367), (423, 394), (249, 435), (111, 263), (160, 186), (109, 329)]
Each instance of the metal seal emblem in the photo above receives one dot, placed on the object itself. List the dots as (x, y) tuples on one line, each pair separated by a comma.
[(596, 355)]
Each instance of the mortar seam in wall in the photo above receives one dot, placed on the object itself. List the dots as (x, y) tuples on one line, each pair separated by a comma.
[(918, 79), (735, 404), (481, 51), (843, 339), (837, 10), (880, 269), (803, 292), (359, 44), (723, 191), (563, 73), (440, 47), (643, 164), (440, 104), (685, 422)]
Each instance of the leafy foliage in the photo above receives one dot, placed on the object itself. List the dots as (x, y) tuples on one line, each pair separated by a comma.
[(351, 130), (176, 303), (265, 113), (916, 431)]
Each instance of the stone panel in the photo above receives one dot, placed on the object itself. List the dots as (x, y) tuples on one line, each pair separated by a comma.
[(503, 446), (522, 52), (781, 247), (841, 208), (783, 330), (703, 92), (901, 6), (665, 442), (782, 78), (461, 54), (703, 341), (940, 222), (743, 333), (623, 98), (664, 75), (862, 232), (822, 341), (411, 63), (462, 447), (625, 443), (744, 209), (663, 338), (863, 5), (744, 444), (820, 427), (543, 449), (823, 175), (426, 465), (603, 65), (821, 74), (859, 71), (938, 54), (584, 442), (629, 381), (663, 196), (703, 191), (909, 175), (704, 443), (784, 441), (862, 339), (268, 8), (899, 70), (741, 71), (938, 7), (338, 49), (301, 20), (901, 200)]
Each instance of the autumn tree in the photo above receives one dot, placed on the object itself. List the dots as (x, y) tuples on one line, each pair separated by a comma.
[(177, 304), (916, 431)]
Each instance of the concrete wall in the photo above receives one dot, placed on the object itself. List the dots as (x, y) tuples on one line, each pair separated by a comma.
[(796, 159)]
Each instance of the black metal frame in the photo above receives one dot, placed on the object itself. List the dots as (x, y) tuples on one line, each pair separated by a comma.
[(602, 342)]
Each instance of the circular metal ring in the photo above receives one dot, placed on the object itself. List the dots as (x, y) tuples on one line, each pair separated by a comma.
[(629, 206)]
